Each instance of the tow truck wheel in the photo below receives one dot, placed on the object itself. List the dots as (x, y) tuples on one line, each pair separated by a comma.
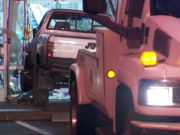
[(40, 97), (83, 117), (124, 111)]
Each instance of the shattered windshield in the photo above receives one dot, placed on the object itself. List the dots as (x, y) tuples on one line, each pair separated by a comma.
[(72, 22), (166, 7)]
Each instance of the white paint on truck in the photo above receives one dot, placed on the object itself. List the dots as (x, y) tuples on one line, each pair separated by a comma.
[(65, 47), (160, 34)]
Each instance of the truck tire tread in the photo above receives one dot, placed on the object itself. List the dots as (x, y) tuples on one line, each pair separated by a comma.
[(86, 115), (40, 97), (124, 103), (25, 87)]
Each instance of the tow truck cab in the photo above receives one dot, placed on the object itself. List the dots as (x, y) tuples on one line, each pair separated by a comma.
[(134, 76)]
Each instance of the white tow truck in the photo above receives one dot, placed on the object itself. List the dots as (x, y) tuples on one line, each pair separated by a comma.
[(55, 45), (131, 85)]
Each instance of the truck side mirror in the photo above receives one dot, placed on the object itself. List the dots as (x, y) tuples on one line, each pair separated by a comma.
[(94, 6), (34, 32)]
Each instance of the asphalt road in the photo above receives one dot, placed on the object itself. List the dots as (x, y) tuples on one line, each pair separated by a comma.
[(57, 110), (34, 128)]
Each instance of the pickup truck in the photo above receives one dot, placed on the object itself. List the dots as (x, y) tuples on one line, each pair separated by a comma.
[(55, 45), (131, 85)]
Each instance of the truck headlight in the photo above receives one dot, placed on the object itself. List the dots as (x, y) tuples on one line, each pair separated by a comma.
[(159, 92), (159, 96)]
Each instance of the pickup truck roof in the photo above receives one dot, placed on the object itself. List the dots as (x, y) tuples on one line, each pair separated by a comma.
[(77, 11)]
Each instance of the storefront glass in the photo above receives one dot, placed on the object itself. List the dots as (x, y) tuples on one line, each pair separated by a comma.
[(1, 22), (18, 26), (1, 45)]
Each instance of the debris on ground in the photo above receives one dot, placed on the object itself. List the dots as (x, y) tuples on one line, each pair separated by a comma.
[(27, 97)]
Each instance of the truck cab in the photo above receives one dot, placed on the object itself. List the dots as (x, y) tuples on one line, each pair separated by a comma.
[(133, 79)]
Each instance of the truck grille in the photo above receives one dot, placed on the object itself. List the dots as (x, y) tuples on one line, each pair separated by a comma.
[(176, 95)]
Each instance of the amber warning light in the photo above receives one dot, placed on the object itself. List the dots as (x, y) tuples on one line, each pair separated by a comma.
[(148, 58), (111, 74)]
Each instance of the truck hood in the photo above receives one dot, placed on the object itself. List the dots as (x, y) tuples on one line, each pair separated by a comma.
[(171, 71), (169, 24), (171, 27)]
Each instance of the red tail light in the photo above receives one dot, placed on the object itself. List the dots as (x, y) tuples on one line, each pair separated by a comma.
[(49, 53)]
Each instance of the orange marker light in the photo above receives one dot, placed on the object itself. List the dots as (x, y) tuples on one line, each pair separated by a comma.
[(111, 74), (148, 58), (50, 44)]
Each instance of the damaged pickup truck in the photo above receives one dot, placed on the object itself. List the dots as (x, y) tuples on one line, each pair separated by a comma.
[(55, 45)]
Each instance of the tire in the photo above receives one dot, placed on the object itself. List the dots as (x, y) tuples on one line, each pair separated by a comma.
[(25, 82), (82, 117), (131, 115), (40, 97), (124, 111), (26, 62), (25, 87)]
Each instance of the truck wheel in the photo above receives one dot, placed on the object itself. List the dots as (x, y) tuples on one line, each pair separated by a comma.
[(124, 111), (131, 115), (25, 83), (26, 62), (83, 117), (40, 97)]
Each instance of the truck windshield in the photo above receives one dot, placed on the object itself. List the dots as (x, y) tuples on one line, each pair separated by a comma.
[(166, 7), (72, 22)]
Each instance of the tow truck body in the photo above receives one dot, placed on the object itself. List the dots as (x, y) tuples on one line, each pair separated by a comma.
[(140, 98)]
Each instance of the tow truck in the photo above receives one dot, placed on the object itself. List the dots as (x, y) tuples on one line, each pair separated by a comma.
[(132, 82)]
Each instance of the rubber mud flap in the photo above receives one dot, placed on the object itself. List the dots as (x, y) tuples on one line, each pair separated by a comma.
[(45, 80), (40, 96)]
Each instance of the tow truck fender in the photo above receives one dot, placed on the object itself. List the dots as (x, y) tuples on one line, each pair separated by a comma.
[(78, 71), (130, 77), (124, 77)]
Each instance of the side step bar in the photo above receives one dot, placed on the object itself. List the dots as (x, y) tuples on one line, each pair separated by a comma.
[(104, 131)]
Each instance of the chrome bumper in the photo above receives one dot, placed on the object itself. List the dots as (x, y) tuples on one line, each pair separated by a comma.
[(153, 128)]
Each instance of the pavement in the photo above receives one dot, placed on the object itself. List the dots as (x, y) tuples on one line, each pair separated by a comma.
[(27, 119), (34, 128)]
